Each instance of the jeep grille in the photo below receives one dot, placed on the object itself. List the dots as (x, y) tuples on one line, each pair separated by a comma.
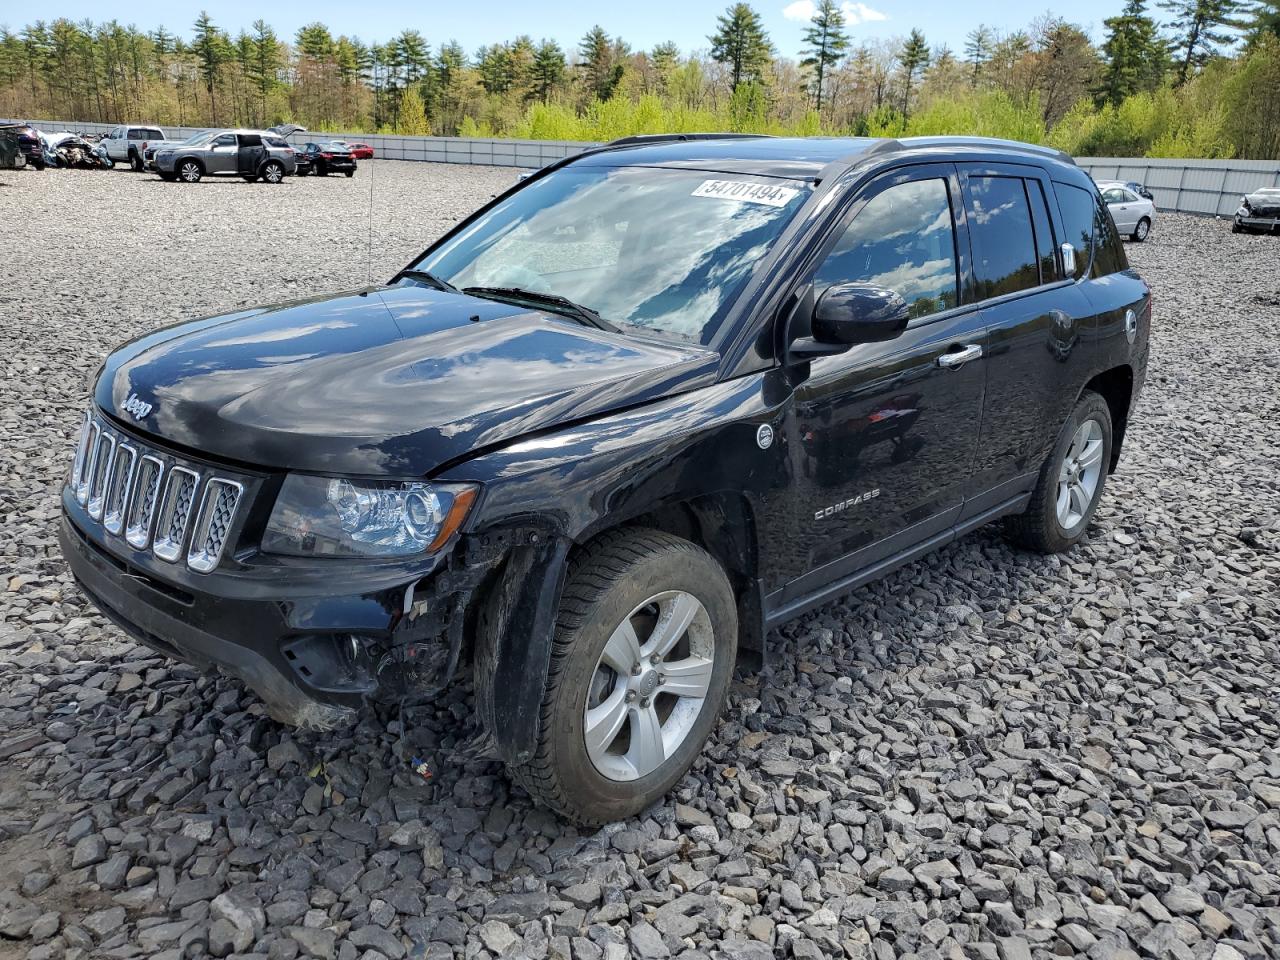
[(152, 498)]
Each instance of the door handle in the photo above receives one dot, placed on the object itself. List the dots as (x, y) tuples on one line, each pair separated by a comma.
[(958, 358)]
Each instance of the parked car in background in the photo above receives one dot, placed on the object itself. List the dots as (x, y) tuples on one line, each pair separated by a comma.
[(1140, 189), (1259, 210), (11, 155), (361, 151), (1133, 214), (610, 430), (129, 144), (241, 152), (329, 157), (29, 141)]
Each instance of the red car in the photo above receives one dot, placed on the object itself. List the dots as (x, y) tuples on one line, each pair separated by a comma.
[(361, 151)]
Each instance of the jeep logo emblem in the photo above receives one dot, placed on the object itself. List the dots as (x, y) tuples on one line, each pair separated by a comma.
[(136, 407)]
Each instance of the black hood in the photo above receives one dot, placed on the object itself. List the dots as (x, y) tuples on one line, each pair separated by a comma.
[(390, 381)]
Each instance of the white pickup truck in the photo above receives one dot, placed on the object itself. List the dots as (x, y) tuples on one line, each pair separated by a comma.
[(127, 143)]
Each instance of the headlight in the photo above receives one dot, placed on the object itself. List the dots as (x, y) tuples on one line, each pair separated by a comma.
[(335, 517)]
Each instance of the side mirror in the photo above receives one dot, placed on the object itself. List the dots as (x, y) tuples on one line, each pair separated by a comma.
[(850, 313), (1068, 260)]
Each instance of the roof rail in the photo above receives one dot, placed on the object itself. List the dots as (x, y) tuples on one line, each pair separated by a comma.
[(1016, 146), (642, 138)]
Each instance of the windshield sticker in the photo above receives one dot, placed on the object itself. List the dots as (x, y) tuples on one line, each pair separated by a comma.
[(746, 192)]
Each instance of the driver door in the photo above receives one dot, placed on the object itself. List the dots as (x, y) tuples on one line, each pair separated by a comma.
[(223, 154), (885, 433)]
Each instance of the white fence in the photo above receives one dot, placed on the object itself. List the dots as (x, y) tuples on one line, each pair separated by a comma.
[(1211, 187)]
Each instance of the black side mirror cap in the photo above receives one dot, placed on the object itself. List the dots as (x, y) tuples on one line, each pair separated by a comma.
[(852, 313)]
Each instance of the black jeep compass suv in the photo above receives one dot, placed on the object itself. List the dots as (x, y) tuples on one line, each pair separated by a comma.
[(647, 404)]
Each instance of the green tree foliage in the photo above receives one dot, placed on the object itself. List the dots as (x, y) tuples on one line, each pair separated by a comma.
[(1047, 83), (1201, 28), (741, 43), (912, 61), (1137, 57), (825, 42)]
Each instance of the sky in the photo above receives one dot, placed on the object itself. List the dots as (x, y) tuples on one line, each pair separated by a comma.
[(643, 24)]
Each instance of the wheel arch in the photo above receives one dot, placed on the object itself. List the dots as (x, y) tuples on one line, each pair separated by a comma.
[(1115, 386)]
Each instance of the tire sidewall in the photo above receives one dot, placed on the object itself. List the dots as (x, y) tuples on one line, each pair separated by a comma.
[(673, 569), (1090, 407)]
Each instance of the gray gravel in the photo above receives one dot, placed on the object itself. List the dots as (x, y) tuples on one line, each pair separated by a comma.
[(989, 755)]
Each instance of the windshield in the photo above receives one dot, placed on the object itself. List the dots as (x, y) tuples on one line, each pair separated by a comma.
[(661, 249)]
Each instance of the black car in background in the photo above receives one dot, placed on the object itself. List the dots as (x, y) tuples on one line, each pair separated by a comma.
[(644, 406), (330, 157), (28, 141)]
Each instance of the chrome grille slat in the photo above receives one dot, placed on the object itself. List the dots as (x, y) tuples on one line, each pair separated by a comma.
[(119, 486), (103, 462), (180, 510), (175, 512), (146, 491), (213, 523)]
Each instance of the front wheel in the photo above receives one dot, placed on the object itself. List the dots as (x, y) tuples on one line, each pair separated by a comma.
[(1071, 481), (189, 171), (1142, 230), (644, 650)]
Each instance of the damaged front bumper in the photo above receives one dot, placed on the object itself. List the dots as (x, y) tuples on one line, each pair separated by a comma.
[(1266, 220), (314, 648)]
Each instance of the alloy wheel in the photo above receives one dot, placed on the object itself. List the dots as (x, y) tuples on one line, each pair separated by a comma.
[(1080, 474), (1143, 229), (190, 171), (274, 173), (649, 686)]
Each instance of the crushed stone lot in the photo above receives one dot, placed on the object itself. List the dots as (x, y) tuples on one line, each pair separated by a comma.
[(988, 755)]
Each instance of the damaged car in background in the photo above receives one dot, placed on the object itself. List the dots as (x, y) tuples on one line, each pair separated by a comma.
[(1258, 212), (11, 155), (29, 142)]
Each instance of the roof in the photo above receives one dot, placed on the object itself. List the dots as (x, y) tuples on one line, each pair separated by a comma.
[(803, 158)]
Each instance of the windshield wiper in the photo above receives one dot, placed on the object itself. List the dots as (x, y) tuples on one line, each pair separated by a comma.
[(430, 279), (556, 302)]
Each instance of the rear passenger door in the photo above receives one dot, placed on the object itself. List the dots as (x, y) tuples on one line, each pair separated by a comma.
[(1035, 320)]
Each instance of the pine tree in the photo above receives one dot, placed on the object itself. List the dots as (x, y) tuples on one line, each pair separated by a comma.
[(212, 50), (1201, 29), (1265, 21), (912, 60), (978, 47), (741, 42), (825, 43), (264, 67), (599, 60), (1136, 55), (548, 68)]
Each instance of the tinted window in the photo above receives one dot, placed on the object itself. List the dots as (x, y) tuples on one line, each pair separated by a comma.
[(1077, 208), (1005, 259), (226, 140), (1109, 257), (903, 239), (1042, 223), (152, 135), (137, 134)]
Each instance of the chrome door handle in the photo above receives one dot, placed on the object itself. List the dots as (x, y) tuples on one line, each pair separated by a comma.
[(958, 358)]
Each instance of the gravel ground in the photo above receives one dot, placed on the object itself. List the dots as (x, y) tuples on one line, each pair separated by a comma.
[(989, 755)]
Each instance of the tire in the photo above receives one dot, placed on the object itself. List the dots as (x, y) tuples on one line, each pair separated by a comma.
[(643, 577), (1044, 527), (189, 170), (273, 171), (135, 162), (350, 173), (1236, 228), (1141, 230), (320, 170)]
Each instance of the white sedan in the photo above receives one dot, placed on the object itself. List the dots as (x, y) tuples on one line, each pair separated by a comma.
[(1133, 214)]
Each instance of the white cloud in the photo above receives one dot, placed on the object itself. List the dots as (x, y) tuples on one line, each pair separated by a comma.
[(854, 13)]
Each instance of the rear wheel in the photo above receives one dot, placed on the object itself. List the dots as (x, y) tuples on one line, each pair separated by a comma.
[(1142, 230), (350, 173), (273, 172), (1071, 481), (135, 162), (643, 654)]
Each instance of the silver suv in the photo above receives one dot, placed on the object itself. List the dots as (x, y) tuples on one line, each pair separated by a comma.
[(251, 154)]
